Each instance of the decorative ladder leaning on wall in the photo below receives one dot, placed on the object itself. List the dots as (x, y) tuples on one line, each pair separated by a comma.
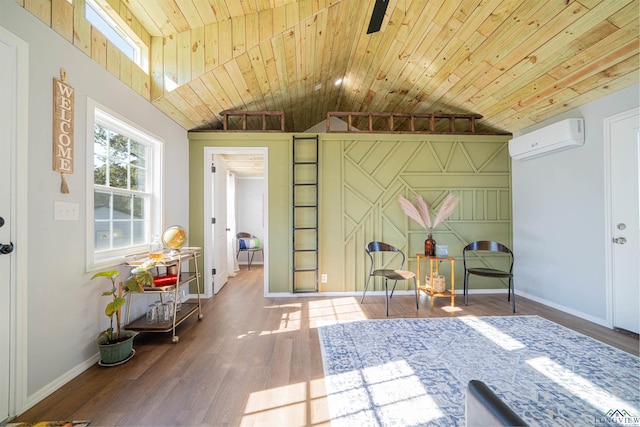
[(305, 214)]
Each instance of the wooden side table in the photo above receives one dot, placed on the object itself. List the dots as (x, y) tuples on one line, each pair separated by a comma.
[(429, 289)]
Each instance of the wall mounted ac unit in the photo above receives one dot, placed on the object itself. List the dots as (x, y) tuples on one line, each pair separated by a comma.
[(558, 136)]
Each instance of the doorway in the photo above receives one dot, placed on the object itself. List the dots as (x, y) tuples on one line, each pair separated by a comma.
[(622, 150), (235, 163), (14, 74)]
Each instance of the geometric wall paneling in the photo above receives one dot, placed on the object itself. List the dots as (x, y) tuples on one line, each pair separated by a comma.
[(377, 168)]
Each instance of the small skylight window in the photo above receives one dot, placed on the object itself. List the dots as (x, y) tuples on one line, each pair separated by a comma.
[(100, 19)]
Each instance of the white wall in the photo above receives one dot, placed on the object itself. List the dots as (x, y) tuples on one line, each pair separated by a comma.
[(559, 214), (65, 309), (250, 211)]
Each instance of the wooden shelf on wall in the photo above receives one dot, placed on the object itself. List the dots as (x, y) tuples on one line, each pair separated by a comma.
[(245, 115), (434, 122)]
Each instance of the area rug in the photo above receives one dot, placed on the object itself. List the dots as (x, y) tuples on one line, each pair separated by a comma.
[(414, 372)]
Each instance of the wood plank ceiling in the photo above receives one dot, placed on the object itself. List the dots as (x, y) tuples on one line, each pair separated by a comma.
[(515, 62)]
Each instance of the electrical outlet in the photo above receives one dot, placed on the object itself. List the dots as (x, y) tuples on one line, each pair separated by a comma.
[(324, 278), (66, 211)]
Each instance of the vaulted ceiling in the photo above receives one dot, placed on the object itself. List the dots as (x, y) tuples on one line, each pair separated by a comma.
[(515, 62)]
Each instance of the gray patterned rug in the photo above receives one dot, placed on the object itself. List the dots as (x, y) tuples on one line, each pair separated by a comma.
[(414, 372)]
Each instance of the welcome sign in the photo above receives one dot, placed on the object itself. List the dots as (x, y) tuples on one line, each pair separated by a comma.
[(62, 128)]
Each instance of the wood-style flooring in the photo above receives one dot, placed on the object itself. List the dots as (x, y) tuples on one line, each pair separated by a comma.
[(252, 360)]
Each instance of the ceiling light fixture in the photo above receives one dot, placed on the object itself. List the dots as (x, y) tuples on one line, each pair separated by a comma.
[(338, 82)]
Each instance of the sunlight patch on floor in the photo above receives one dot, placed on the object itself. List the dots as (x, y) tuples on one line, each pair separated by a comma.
[(492, 333), (579, 386), (381, 392), (290, 405), (333, 310)]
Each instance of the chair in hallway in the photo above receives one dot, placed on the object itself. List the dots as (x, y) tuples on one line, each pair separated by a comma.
[(388, 274), (488, 246), (250, 244)]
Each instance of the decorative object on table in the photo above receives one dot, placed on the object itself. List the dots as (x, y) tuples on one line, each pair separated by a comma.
[(438, 282), (165, 280), (410, 372), (62, 128), (422, 216), (442, 251), (174, 237), (116, 345), (155, 248)]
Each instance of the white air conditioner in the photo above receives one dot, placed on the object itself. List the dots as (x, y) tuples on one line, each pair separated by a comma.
[(558, 136)]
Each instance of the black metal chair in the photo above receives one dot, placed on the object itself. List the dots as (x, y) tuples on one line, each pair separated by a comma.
[(388, 274), (250, 251), (488, 246), (484, 408)]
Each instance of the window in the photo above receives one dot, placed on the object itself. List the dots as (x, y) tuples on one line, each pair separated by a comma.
[(126, 41), (125, 202)]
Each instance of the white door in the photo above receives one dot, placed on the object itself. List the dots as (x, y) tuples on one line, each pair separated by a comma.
[(5, 215), (232, 261), (8, 83), (625, 220), (220, 227)]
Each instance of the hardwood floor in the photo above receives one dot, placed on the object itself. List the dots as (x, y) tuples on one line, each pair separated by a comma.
[(252, 360)]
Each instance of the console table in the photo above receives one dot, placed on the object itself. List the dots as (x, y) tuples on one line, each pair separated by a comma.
[(171, 287), (429, 289)]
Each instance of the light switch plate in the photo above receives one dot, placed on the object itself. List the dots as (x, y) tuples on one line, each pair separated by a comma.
[(66, 211)]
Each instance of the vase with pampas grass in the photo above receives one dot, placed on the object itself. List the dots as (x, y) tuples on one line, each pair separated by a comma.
[(420, 213)]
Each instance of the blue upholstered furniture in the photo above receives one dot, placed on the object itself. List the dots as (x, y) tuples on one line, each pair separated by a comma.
[(250, 244)]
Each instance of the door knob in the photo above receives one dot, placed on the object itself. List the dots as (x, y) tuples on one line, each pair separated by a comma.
[(6, 249), (619, 240)]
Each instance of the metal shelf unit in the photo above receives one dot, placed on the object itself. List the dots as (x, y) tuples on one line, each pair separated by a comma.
[(305, 214), (183, 278)]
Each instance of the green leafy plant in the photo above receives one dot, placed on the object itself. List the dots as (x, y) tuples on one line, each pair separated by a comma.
[(139, 278)]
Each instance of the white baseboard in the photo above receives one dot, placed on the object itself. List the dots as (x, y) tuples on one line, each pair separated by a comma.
[(378, 293), (54, 385), (569, 310), (551, 304)]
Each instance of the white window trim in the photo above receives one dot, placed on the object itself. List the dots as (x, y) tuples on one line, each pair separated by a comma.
[(96, 111)]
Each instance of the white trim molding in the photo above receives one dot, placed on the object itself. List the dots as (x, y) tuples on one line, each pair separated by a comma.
[(18, 329)]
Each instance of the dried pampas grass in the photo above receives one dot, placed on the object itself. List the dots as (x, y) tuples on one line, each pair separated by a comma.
[(446, 209), (412, 212), (421, 214)]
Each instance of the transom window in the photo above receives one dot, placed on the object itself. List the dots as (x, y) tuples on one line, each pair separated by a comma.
[(126, 188), (119, 34)]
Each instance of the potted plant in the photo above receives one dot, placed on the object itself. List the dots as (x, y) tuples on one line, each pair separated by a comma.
[(116, 344)]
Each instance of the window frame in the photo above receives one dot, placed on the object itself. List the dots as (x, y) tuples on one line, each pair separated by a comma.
[(119, 27), (97, 113)]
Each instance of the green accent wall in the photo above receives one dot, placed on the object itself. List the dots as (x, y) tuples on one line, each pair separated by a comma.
[(361, 176), (279, 172)]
